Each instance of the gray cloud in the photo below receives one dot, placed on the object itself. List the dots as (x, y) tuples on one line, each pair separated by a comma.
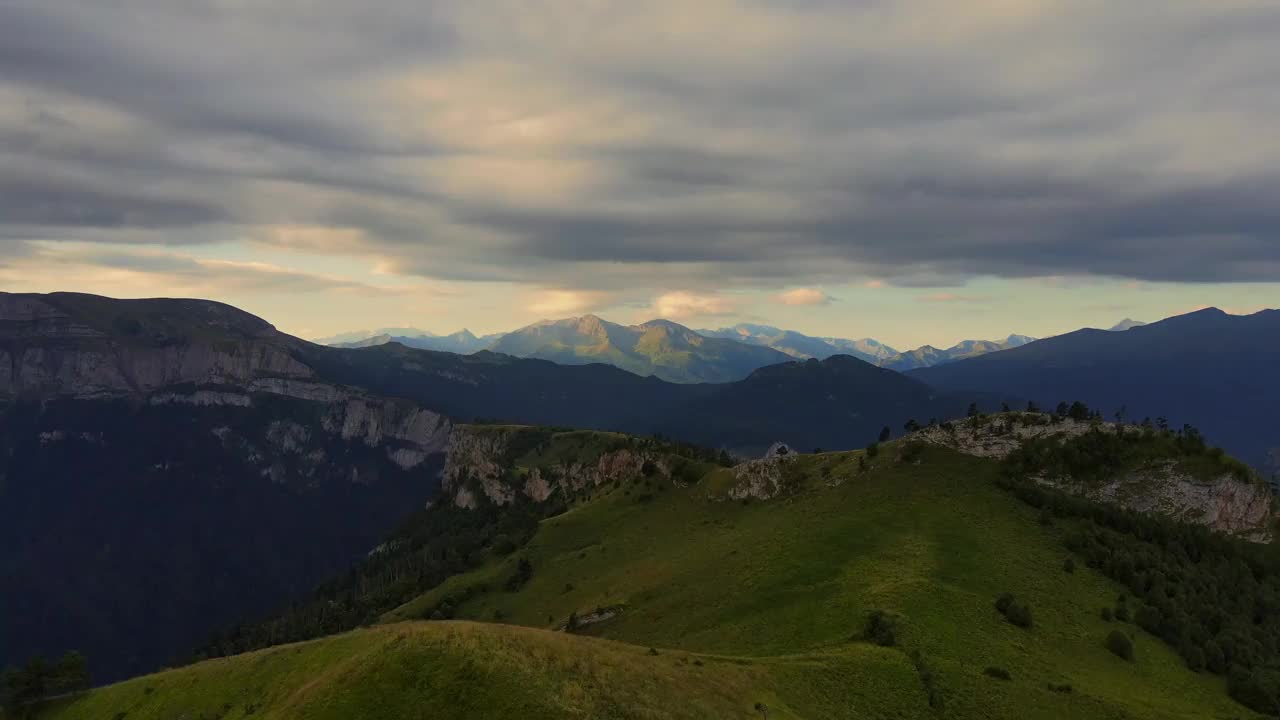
[(618, 148)]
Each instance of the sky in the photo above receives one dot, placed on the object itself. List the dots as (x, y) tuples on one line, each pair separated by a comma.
[(918, 171)]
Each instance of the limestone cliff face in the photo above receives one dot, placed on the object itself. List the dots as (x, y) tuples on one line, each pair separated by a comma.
[(1224, 503), (108, 369), (194, 353), (44, 350), (480, 463)]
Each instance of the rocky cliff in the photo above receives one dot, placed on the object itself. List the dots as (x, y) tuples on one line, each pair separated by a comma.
[(81, 346), (180, 465), (189, 352), (503, 463), (1220, 500)]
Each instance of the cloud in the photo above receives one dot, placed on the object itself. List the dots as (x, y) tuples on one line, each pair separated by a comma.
[(616, 147), (804, 296), (945, 297), (128, 272), (680, 305), (557, 303)]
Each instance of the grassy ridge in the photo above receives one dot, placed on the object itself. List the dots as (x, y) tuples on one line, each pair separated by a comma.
[(934, 543), (747, 602), (468, 670)]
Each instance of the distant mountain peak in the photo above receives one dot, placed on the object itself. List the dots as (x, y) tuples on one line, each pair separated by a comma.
[(663, 322), (1126, 324)]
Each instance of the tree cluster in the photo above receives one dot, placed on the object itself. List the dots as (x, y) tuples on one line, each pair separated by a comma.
[(39, 679), (1213, 599), (1098, 455)]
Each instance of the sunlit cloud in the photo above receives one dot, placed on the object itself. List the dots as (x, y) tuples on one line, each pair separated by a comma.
[(682, 305), (804, 296), (556, 303), (946, 297)]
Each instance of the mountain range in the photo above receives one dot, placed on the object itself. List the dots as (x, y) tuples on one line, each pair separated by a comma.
[(801, 346), (673, 352), (463, 342), (660, 348)]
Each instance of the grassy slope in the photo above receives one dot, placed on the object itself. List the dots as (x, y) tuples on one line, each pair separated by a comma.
[(770, 594), (469, 670), (934, 543)]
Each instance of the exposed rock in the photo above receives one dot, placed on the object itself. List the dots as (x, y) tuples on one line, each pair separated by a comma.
[(478, 462), (465, 499), (475, 455), (595, 617), (536, 488), (287, 435), (202, 398), (997, 436), (1224, 504), (759, 479)]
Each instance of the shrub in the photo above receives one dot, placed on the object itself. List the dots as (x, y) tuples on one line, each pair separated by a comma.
[(998, 673), (503, 545), (1122, 612), (1062, 688), (1069, 565), (524, 571), (881, 629), (1106, 614), (911, 452), (1013, 611), (1019, 615), (653, 651), (1120, 645), (873, 450), (928, 680), (1257, 690)]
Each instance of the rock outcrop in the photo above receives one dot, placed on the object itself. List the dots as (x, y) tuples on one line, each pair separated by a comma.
[(761, 479), (997, 436), (1224, 503), (190, 352), (480, 462)]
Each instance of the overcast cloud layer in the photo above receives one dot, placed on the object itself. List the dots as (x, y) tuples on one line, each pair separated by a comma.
[(648, 147)]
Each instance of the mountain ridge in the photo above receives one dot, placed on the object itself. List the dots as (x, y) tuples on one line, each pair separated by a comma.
[(662, 348), (1180, 368)]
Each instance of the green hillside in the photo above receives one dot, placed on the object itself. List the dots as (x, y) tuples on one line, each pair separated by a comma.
[(469, 670), (743, 602)]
